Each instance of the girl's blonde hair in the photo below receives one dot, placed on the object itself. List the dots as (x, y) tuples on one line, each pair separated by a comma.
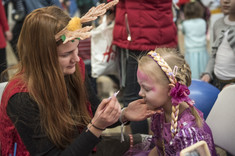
[(62, 100), (173, 58)]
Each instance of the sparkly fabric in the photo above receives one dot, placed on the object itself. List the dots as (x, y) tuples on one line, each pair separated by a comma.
[(188, 134)]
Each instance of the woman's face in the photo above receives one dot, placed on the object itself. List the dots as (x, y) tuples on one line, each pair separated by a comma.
[(154, 93), (68, 56)]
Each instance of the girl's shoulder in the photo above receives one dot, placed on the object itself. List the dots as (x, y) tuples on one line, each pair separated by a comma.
[(187, 125), (189, 135), (187, 119)]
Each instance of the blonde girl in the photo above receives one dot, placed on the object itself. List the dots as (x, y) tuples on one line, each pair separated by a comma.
[(164, 77)]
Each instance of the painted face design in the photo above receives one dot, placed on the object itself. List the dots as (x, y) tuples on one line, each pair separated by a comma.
[(154, 93), (68, 56)]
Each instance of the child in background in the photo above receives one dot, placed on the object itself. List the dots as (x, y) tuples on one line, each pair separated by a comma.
[(194, 30), (216, 12), (164, 77), (221, 66)]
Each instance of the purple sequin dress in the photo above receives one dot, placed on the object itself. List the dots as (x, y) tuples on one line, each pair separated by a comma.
[(188, 134)]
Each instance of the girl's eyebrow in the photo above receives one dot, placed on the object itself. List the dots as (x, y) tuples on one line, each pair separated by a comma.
[(146, 85)]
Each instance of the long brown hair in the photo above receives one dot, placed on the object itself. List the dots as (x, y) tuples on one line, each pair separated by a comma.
[(62, 100)]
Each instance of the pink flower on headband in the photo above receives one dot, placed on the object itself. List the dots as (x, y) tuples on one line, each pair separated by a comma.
[(179, 94)]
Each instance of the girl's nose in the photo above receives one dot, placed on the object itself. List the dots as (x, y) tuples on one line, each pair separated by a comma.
[(141, 93)]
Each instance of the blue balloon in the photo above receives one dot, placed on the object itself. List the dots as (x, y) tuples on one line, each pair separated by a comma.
[(204, 94)]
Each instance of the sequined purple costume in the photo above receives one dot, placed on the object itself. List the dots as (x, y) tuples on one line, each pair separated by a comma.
[(187, 135)]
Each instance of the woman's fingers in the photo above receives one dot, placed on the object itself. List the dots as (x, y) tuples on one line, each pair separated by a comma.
[(104, 103), (108, 112), (112, 110), (116, 112), (111, 106)]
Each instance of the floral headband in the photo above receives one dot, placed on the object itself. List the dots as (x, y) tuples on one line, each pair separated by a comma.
[(179, 92), (74, 28)]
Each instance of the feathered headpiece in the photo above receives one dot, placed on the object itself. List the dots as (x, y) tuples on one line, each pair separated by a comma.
[(74, 28)]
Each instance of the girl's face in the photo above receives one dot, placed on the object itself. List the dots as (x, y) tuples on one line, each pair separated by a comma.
[(68, 56), (154, 93)]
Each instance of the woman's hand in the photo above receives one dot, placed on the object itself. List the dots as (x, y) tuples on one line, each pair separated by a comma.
[(107, 113), (137, 111)]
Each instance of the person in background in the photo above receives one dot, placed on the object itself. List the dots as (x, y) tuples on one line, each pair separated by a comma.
[(66, 5), (73, 8), (84, 5), (5, 35), (5, 4), (140, 27), (164, 77), (224, 7), (220, 70), (48, 107), (23, 8), (215, 13), (195, 44)]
